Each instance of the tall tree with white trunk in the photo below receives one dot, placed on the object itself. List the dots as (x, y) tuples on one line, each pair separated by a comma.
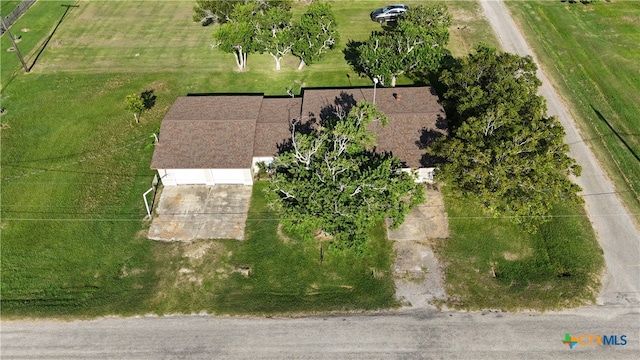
[(331, 179), (415, 45), (221, 11), (316, 34), (275, 34)]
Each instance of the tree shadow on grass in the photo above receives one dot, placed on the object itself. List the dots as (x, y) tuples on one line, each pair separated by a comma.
[(148, 99), (352, 54)]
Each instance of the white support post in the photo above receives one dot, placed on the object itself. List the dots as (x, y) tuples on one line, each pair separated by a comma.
[(146, 203)]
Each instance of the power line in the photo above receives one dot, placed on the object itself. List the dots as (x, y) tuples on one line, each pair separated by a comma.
[(280, 219), (85, 159)]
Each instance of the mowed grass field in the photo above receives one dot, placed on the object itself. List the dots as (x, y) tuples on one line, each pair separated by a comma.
[(7, 6), (160, 37), (591, 52), (74, 164)]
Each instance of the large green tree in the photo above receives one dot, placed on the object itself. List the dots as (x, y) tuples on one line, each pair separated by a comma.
[(415, 45), (238, 35), (331, 179), (275, 34), (316, 33), (502, 147), (221, 10)]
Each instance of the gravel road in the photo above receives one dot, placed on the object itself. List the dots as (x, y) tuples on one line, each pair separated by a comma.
[(408, 335)]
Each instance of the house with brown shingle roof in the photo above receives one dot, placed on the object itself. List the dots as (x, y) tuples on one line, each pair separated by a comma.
[(219, 139)]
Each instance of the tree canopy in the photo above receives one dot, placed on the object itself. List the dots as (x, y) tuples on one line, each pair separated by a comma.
[(266, 26), (241, 33), (316, 33), (135, 104), (331, 179), (502, 147), (275, 34), (238, 34), (415, 45), (221, 10)]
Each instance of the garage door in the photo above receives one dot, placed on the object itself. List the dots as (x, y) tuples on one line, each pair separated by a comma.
[(189, 176), (228, 176)]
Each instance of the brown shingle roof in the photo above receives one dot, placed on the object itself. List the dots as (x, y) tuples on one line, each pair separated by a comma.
[(208, 132), (188, 144), (228, 131), (272, 128), (215, 107), (415, 117)]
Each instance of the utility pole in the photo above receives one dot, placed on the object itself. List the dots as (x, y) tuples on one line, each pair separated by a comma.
[(15, 46), (375, 83)]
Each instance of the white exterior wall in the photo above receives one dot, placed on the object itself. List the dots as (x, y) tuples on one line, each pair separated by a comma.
[(173, 177), (425, 175), (232, 176)]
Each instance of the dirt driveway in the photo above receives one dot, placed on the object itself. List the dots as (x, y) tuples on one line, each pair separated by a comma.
[(190, 212), (417, 274)]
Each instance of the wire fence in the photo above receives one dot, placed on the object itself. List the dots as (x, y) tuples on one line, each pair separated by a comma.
[(16, 13)]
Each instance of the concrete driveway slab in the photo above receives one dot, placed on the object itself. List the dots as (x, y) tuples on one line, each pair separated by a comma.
[(426, 221), (416, 272), (190, 212)]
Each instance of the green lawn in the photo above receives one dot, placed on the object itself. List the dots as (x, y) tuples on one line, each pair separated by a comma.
[(73, 171), (74, 166), (591, 52), (490, 263), (7, 6)]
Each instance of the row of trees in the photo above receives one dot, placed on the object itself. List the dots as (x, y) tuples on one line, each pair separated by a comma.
[(267, 27), (415, 45)]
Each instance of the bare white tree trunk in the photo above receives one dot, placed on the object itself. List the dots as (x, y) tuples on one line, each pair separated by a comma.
[(237, 60), (301, 65), (277, 59), (241, 58), (135, 116), (393, 81)]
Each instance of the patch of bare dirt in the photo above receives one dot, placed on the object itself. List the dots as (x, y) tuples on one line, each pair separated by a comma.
[(195, 250), (417, 273), (510, 256), (285, 239)]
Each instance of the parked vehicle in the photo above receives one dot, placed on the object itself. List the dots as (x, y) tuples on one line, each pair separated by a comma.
[(389, 13)]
